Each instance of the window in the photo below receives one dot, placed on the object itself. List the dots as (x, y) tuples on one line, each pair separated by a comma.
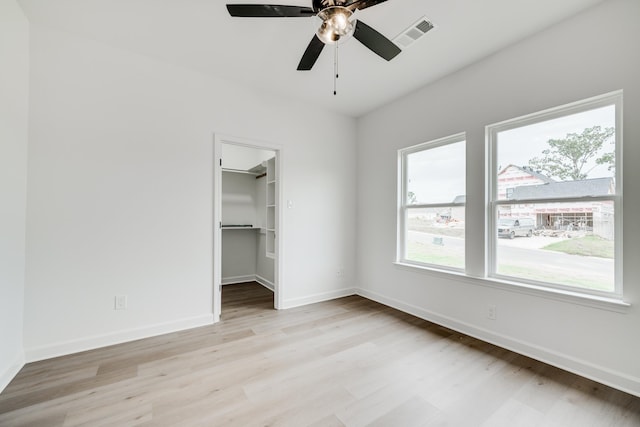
[(555, 197), (432, 203)]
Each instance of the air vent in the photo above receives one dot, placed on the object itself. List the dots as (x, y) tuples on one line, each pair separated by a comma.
[(413, 33)]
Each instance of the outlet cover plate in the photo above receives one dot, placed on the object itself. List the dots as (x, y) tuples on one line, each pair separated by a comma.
[(120, 302)]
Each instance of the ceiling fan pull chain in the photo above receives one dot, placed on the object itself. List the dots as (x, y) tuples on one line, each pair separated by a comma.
[(335, 69)]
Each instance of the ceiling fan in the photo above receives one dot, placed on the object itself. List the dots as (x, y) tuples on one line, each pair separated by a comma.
[(338, 25)]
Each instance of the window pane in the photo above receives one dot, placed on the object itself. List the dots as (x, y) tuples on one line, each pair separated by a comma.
[(571, 156), (436, 175), (569, 244), (436, 236)]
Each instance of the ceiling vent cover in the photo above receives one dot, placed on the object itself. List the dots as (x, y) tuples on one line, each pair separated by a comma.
[(413, 33)]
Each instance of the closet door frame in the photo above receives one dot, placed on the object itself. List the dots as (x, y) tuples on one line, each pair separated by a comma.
[(278, 284)]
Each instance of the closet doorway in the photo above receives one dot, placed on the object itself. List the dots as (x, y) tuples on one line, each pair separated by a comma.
[(247, 212)]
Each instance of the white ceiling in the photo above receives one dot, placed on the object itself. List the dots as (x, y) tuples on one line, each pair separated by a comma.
[(264, 52)]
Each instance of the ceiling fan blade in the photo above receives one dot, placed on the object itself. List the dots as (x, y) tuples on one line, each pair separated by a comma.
[(311, 55), (268, 11), (363, 4), (375, 41)]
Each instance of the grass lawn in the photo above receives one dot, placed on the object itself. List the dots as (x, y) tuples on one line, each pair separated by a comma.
[(435, 254), (427, 250), (577, 280), (418, 224), (585, 246)]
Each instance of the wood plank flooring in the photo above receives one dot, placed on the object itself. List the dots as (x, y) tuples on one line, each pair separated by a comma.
[(347, 362)]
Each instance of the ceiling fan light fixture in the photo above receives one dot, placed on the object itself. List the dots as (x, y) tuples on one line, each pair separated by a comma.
[(337, 25)]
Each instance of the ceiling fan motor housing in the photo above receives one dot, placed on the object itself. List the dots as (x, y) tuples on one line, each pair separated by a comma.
[(337, 25)]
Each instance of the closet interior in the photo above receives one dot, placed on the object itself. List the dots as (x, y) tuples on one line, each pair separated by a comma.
[(249, 194)]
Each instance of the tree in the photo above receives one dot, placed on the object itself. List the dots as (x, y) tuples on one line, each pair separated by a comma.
[(412, 197), (567, 158)]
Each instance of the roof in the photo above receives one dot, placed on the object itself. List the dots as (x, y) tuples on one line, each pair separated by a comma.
[(551, 190), (530, 171)]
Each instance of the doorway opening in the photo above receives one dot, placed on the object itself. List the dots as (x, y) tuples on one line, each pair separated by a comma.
[(247, 212)]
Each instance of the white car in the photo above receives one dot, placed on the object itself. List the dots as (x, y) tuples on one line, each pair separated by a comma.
[(512, 227)]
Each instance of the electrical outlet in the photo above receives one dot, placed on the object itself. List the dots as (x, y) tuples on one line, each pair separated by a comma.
[(120, 302), (492, 312)]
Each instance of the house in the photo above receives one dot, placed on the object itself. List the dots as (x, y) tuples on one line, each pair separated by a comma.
[(512, 177), (107, 159), (516, 183)]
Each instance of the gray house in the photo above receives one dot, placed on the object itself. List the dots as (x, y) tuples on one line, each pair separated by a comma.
[(585, 215)]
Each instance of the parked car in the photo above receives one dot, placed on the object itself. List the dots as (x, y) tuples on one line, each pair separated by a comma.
[(512, 227)]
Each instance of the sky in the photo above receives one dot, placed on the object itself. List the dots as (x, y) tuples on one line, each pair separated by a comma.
[(443, 166), (518, 146), (438, 175)]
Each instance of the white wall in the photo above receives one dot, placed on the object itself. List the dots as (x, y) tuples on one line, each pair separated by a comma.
[(239, 199), (120, 190), (14, 102), (239, 255), (239, 207), (591, 54)]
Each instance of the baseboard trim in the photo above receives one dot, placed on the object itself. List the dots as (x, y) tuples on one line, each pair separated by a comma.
[(89, 343), (618, 380), (315, 298), (12, 370), (232, 280), (266, 283)]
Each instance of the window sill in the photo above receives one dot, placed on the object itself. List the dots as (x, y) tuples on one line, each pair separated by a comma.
[(571, 297)]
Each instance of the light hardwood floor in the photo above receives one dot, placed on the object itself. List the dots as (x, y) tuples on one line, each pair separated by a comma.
[(347, 362)]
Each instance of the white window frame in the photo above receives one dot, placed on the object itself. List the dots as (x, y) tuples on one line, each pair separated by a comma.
[(613, 98), (404, 207)]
